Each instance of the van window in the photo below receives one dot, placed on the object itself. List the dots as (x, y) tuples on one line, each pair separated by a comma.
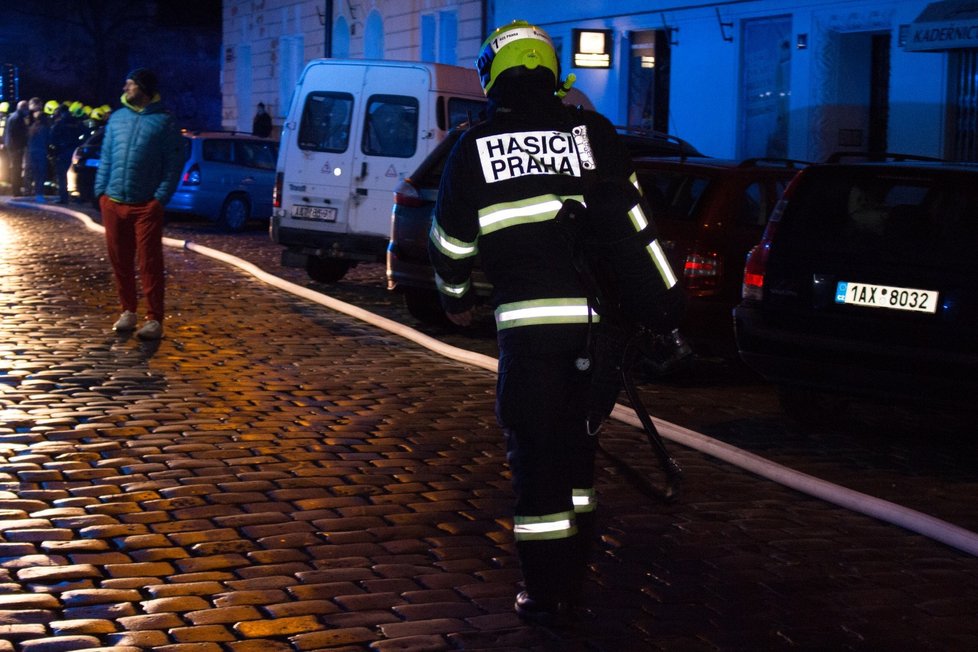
[(391, 127), (325, 122)]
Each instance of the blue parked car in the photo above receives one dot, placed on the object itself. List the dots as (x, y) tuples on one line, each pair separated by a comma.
[(227, 177)]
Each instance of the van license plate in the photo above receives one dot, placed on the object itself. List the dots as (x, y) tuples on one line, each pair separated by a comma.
[(885, 296), (317, 213)]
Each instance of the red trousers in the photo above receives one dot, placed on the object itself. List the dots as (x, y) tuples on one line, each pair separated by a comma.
[(134, 232)]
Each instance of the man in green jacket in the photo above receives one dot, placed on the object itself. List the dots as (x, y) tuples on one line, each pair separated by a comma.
[(138, 173)]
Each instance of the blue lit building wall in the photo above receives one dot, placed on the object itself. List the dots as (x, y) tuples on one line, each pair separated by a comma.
[(719, 57)]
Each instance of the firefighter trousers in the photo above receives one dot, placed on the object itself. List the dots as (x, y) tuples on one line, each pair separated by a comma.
[(542, 406)]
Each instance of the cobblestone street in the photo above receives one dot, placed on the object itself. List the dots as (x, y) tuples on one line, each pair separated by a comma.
[(273, 475)]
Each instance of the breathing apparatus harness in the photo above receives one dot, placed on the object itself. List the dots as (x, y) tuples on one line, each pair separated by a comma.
[(613, 348)]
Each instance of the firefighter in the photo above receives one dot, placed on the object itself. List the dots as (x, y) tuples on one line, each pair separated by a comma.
[(502, 191)]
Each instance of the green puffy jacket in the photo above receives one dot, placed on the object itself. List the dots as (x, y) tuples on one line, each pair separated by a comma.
[(141, 155)]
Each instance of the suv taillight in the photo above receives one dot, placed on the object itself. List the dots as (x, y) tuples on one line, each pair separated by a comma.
[(756, 266), (407, 194), (702, 272), (192, 176), (277, 190), (753, 287)]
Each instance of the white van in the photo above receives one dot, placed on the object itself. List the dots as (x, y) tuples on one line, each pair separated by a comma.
[(354, 130)]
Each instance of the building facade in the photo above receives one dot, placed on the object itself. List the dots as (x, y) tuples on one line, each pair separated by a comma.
[(267, 42), (800, 79)]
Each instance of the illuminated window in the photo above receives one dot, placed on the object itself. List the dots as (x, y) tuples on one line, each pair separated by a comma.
[(592, 48)]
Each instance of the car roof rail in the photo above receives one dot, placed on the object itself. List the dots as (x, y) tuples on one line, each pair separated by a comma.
[(773, 161), (684, 147), (838, 157)]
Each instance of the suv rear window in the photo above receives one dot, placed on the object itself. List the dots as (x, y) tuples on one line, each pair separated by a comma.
[(325, 122), (673, 193), (870, 210), (464, 110)]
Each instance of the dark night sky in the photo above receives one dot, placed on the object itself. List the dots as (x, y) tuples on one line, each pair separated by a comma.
[(82, 50)]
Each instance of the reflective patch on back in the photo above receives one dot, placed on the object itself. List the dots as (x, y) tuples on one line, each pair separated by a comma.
[(507, 156), (584, 147)]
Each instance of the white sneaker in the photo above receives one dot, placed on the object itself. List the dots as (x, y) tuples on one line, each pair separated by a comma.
[(126, 322), (151, 330)]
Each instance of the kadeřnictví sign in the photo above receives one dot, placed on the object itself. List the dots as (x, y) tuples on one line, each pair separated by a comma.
[(944, 26)]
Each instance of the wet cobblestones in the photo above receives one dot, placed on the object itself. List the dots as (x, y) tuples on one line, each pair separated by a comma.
[(273, 475)]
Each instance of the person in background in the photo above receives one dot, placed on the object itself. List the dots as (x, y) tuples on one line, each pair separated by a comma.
[(138, 173), (38, 141), (66, 135), (15, 144), (261, 126), (4, 115)]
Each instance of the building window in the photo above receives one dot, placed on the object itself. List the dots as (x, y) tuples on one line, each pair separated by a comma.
[(290, 63), (373, 41), (341, 38), (765, 87), (439, 37), (243, 81)]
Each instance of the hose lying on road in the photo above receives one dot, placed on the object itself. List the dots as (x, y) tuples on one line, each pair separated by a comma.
[(934, 528)]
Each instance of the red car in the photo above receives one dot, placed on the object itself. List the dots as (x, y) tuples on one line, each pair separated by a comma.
[(710, 212)]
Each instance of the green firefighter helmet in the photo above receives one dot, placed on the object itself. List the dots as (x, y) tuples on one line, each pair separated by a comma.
[(518, 44), (4, 107), (51, 106)]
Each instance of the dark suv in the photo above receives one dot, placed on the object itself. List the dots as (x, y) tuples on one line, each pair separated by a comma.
[(865, 283), (408, 269)]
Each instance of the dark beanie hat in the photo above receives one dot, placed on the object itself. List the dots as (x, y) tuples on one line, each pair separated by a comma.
[(145, 79)]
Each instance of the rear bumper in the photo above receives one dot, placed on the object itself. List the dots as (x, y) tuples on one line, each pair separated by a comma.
[(194, 203), (916, 373), (304, 243)]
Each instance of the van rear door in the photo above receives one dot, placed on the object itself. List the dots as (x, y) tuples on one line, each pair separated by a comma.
[(316, 186), (394, 139)]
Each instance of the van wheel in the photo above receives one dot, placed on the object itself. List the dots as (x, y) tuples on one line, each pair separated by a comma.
[(326, 270), (425, 306), (235, 213)]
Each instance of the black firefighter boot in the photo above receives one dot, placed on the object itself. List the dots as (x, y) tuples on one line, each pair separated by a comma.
[(546, 566)]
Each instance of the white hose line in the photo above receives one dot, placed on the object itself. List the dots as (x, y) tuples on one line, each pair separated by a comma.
[(923, 524)]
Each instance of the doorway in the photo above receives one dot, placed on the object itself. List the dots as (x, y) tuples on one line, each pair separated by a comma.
[(648, 80), (859, 112)]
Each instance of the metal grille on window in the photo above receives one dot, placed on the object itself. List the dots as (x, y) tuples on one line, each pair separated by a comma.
[(964, 139)]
